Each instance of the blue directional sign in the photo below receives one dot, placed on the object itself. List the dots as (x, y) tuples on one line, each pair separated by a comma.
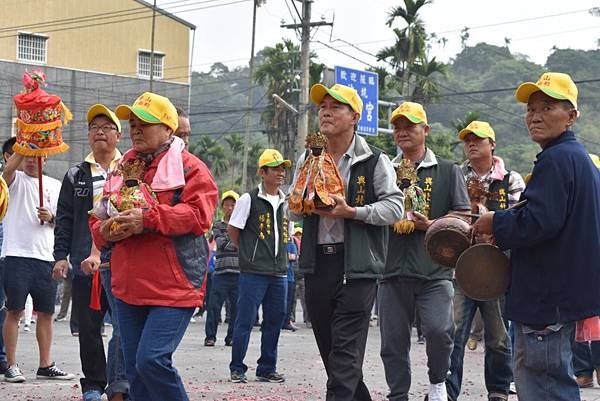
[(366, 84)]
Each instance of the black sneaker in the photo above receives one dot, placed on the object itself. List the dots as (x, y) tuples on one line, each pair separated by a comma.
[(272, 377), (53, 373), (209, 342), (238, 377), (13, 374)]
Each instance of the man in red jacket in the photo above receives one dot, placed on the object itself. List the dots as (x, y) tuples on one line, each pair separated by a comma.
[(159, 252)]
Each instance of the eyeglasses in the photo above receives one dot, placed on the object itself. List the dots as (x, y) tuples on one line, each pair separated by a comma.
[(104, 128)]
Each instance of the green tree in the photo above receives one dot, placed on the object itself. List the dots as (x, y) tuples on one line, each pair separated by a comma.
[(426, 88), (277, 71), (211, 153), (235, 144), (410, 41), (443, 143)]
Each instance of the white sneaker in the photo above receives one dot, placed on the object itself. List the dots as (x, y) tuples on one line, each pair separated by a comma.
[(437, 392)]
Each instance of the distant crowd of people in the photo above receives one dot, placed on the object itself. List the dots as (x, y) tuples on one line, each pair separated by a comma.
[(136, 236)]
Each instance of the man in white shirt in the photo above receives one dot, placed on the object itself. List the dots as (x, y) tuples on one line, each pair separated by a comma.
[(259, 228), (27, 249)]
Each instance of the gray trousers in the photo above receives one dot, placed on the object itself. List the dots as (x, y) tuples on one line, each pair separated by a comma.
[(398, 299)]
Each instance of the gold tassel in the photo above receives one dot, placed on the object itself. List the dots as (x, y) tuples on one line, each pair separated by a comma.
[(404, 226), (67, 115)]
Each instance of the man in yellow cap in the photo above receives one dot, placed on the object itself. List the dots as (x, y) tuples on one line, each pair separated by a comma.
[(226, 276), (159, 254), (411, 280), (493, 187), (554, 244), (81, 189), (259, 228), (343, 249)]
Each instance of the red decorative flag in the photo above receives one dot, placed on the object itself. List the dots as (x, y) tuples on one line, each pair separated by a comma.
[(40, 117)]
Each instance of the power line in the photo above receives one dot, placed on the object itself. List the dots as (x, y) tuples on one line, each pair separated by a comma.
[(127, 19), (126, 12)]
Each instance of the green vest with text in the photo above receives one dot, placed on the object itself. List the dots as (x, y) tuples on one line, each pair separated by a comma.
[(365, 245), (257, 239), (406, 255)]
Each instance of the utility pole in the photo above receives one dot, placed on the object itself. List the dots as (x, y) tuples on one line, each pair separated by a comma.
[(249, 104), (305, 25), (152, 46)]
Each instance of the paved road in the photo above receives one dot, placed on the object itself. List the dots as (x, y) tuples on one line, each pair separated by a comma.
[(205, 370)]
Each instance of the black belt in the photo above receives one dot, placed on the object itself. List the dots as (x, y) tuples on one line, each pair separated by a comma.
[(331, 249)]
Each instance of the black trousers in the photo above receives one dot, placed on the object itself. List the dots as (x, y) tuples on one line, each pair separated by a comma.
[(91, 346), (340, 314)]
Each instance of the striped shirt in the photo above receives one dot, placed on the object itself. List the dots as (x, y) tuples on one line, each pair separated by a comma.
[(99, 174), (516, 185)]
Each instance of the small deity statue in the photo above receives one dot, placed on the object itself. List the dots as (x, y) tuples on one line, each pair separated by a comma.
[(125, 190), (414, 198), (318, 178)]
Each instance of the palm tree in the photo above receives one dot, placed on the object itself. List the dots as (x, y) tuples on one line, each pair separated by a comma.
[(212, 153), (426, 87), (410, 41), (236, 146), (276, 69)]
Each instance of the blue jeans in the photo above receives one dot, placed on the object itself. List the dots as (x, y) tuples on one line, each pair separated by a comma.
[(543, 363), (271, 292), (115, 363), (498, 356), (149, 336), (224, 286), (586, 358)]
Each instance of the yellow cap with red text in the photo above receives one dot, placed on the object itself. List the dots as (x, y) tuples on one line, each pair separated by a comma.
[(230, 194), (480, 128), (272, 158), (341, 93), (151, 108), (414, 112), (554, 84), (101, 110)]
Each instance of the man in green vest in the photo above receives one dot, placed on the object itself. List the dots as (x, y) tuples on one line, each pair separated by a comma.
[(344, 248), (412, 281), (259, 228), (495, 188)]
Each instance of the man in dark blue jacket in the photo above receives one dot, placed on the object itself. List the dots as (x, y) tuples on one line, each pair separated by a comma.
[(555, 244)]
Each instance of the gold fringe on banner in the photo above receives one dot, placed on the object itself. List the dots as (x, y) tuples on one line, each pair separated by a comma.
[(27, 151), (25, 127)]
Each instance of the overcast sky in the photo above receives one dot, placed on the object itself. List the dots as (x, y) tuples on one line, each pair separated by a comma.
[(533, 27)]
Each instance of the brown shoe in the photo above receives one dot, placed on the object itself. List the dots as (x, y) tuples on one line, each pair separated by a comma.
[(585, 381)]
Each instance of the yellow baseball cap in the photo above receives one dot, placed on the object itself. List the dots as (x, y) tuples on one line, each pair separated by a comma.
[(341, 93), (413, 111), (595, 159), (479, 128), (554, 84), (151, 108), (100, 109), (297, 230), (272, 158), (230, 194)]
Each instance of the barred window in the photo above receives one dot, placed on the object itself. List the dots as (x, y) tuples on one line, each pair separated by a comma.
[(144, 64), (31, 47)]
